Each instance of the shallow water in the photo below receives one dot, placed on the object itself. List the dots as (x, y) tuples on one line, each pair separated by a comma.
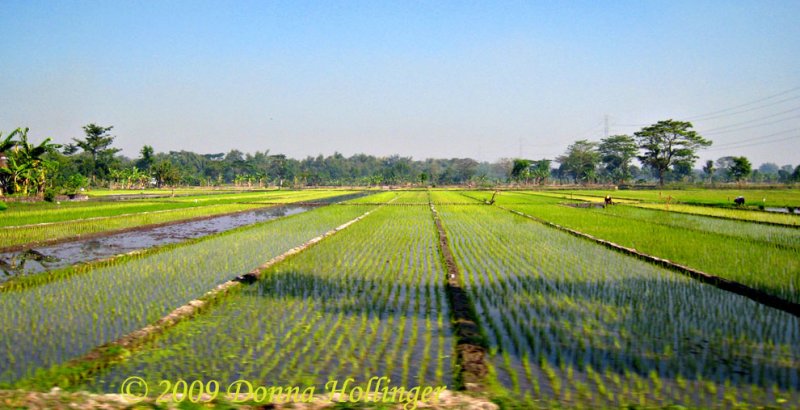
[(782, 210), (69, 253)]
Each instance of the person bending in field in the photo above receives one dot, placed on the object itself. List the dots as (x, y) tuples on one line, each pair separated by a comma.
[(608, 200)]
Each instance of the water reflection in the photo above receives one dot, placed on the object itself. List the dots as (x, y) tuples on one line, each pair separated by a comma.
[(64, 254)]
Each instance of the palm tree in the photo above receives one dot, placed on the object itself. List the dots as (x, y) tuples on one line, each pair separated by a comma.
[(25, 165), (34, 156), (6, 145)]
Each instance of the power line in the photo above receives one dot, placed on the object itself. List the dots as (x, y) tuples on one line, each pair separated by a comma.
[(751, 126), (745, 110), (758, 143), (754, 120), (746, 104), (590, 130), (631, 125), (726, 112), (732, 144)]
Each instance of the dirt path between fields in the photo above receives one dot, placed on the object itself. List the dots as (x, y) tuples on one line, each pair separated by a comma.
[(78, 369), (470, 342)]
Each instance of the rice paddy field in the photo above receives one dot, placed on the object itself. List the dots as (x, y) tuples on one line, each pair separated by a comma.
[(22, 223), (711, 197), (384, 284)]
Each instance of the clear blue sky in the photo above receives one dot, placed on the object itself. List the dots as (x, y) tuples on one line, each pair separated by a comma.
[(425, 79)]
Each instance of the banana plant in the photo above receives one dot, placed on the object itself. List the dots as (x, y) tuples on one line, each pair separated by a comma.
[(24, 167)]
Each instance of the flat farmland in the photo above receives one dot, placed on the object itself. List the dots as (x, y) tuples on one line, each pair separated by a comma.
[(384, 284)]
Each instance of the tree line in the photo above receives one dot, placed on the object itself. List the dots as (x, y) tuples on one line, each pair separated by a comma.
[(666, 151)]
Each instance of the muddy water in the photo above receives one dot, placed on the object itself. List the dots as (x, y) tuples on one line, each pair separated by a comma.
[(64, 254), (783, 210)]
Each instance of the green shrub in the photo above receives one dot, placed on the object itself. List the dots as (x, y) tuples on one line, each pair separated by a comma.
[(75, 183), (50, 195)]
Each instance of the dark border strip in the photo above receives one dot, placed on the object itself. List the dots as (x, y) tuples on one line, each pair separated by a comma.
[(74, 371), (471, 343), (722, 283)]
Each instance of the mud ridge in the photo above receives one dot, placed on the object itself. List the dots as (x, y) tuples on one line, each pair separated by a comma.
[(81, 368), (719, 282), (471, 344)]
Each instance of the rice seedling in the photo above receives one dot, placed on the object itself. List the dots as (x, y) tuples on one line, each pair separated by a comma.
[(568, 322), (763, 257), (19, 235), (609, 330), (91, 224), (43, 213), (56, 321), (365, 302), (376, 198), (413, 198), (440, 197), (779, 198), (728, 213)]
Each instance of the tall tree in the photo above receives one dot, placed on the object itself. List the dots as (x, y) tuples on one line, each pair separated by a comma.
[(724, 165), (667, 142), (519, 171), (709, 169), (25, 166), (540, 170), (97, 144), (146, 161), (616, 152), (740, 169), (785, 173), (165, 174), (580, 161)]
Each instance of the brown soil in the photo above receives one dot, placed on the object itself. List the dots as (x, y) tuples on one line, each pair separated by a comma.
[(470, 344), (57, 399)]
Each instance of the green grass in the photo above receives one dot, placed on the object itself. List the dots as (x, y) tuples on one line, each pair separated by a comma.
[(579, 196), (32, 233), (102, 217), (101, 192), (412, 197), (451, 197), (718, 197), (377, 197), (45, 212), (729, 213), (56, 321), (572, 324), (760, 256), (343, 308)]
